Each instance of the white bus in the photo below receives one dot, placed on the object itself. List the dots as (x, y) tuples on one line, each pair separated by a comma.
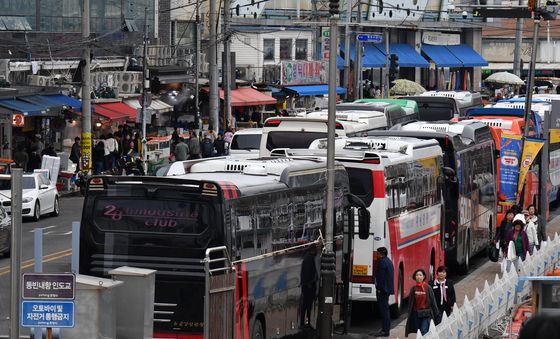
[(464, 99), (299, 132), (397, 179)]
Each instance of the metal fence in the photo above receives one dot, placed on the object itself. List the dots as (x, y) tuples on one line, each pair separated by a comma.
[(488, 309)]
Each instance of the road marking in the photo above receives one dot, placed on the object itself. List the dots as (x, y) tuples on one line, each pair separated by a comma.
[(43, 228), (30, 263), (67, 233)]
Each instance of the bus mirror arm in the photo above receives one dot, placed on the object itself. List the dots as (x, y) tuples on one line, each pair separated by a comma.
[(449, 174)]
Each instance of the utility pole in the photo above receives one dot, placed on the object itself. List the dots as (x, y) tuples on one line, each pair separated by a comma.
[(386, 69), (347, 36), (145, 87), (518, 41), (197, 68), (328, 260), (86, 96), (226, 69), (15, 258), (544, 171), (531, 80), (213, 67), (358, 58)]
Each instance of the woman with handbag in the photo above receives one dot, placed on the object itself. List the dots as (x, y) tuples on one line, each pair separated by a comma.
[(422, 306)]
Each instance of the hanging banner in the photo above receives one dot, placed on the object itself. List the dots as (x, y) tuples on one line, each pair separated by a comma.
[(510, 152), (531, 148)]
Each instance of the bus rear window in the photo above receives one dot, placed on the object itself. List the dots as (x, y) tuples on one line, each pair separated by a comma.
[(292, 139), (131, 215), (246, 141)]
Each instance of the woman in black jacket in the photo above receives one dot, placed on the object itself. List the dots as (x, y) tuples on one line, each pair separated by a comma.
[(444, 292), (422, 305)]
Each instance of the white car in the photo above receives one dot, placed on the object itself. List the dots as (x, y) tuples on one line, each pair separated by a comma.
[(40, 196), (245, 143)]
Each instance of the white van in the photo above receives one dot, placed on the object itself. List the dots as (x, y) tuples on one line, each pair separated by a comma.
[(299, 132), (246, 143)]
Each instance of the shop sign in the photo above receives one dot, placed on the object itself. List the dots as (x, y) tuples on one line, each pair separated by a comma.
[(18, 120), (326, 43), (437, 38), (300, 72)]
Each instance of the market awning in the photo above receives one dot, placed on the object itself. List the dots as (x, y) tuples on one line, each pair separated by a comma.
[(53, 107), (26, 108), (115, 111), (310, 90), (441, 56), (468, 56), (65, 100), (371, 58), (157, 106), (408, 57), (247, 97)]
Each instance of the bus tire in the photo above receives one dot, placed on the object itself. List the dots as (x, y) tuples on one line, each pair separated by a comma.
[(396, 309), (465, 266), (258, 330)]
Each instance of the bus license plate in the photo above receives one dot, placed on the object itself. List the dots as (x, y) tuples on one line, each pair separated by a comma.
[(359, 269)]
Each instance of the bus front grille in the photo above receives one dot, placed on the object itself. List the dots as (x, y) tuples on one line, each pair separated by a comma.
[(101, 264)]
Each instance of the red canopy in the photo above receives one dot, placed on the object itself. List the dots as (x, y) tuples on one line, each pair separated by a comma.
[(107, 113), (247, 97)]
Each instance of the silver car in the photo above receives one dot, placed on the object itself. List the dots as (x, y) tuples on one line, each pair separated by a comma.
[(5, 232)]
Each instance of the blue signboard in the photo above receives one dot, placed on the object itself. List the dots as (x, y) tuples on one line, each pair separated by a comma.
[(375, 38), (510, 153), (46, 313)]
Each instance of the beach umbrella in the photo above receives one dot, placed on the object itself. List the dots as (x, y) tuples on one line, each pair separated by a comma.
[(406, 87), (504, 78)]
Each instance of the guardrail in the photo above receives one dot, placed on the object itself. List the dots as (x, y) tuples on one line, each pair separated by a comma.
[(496, 301)]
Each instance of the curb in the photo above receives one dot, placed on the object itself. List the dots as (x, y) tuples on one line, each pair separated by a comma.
[(69, 194)]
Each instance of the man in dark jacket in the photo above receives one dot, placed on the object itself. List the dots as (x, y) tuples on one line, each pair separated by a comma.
[(309, 278), (384, 285)]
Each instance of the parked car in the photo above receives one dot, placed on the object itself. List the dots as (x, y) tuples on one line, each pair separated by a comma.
[(5, 233), (40, 196)]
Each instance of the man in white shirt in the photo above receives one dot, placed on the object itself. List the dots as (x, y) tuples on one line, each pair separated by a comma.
[(111, 150)]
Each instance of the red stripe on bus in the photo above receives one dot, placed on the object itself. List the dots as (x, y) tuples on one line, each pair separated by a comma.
[(237, 304), (378, 184), (245, 301), (177, 336)]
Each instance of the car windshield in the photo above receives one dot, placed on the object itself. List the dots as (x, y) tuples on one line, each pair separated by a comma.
[(6, 183), (246, 141)]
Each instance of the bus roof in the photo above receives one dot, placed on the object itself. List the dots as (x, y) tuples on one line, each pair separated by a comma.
[(410, 106), (351, 121), (466, 128), (247, 173), (463, 98)]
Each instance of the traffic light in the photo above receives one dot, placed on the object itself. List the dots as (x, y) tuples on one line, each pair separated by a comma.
[(393, 67)]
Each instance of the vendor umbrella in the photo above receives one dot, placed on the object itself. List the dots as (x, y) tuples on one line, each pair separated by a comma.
[(406, 87), (504, 78)]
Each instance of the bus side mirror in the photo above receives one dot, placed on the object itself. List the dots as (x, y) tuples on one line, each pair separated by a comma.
[(363, 223), (449, 174)]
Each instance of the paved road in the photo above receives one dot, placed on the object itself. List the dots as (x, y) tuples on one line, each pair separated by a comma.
[(57, 233)]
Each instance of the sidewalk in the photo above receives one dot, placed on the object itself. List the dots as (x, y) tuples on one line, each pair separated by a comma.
[(467, 287)]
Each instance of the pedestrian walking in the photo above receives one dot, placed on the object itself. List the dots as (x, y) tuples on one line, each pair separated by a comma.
[(444, 292), (384, 286), (181, 150), (21, 158), (76, 153), (206, 148), (308, 281), (210, 134), (538, 223), (220, 145), (111, 151), (98, 157), (505, 226), (520, 242), (529, 228), (194, 145), (422, 305)]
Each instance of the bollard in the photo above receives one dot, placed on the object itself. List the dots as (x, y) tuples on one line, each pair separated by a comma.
[(137, 293)]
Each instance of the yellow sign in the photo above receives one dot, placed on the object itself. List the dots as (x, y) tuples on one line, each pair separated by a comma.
[(531, 148), (86, 151), (359, 269), (554, 135)]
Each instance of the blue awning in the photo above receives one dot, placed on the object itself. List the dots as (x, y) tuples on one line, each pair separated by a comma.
[(372, 57), (26, 108), (468, 56), (53, 107), (75, 104), (441, 56), (309, 90), (408, 57)]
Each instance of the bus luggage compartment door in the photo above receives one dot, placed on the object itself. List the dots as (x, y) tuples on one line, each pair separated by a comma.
[(219, 294)]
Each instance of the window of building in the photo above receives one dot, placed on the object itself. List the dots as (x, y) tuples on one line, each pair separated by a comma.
[(268, 49), (301, 49), (285, 49)]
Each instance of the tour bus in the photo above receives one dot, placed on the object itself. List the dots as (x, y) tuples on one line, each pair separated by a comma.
[(395, 113), (435, 108), (512, 121), (469, 194), (538, 105), (399, 180), (409, 106), (464, 99), (268, 215), (299, 132)]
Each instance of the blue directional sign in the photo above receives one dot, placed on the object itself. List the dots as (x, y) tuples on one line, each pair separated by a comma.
[(375, 38), (46, 313)]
